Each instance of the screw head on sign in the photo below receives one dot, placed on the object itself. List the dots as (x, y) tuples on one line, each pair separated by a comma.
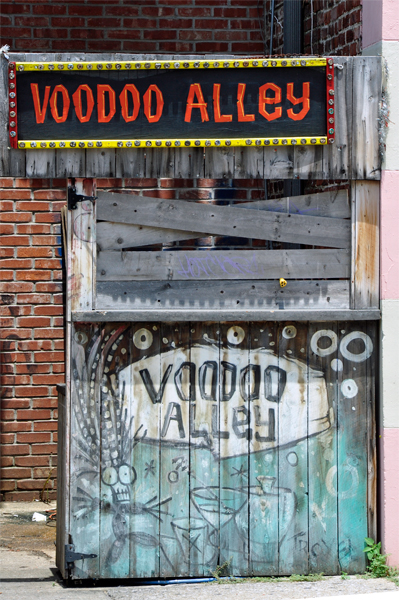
[(283, 282)]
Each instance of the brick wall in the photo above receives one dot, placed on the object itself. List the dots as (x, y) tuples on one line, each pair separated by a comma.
[(334, 27), (135, 26), (32, 332)]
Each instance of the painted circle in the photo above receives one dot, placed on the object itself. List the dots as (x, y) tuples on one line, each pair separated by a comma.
[(331, 482), (289, 332), (349, 388), (314, 343), (80, 337), (127, 474), (292, 459), (173, 476), (362, 356), (235, 335), (142, 339), (110, 476), (337, 364)]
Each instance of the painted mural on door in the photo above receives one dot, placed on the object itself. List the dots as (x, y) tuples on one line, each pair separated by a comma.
[(196, 445)]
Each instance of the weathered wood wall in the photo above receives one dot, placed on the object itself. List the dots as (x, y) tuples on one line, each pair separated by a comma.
[(185, 455), (355, 154)]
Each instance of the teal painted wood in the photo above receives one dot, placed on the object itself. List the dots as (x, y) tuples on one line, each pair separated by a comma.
[(85, 448), (263, 462), (234, 447), (355, 347), (201, 543), (323, 505), (174, 447), (294, 407), (153, 495)]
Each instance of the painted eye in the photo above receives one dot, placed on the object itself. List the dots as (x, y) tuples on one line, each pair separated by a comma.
[(126, 474), (110, 476)]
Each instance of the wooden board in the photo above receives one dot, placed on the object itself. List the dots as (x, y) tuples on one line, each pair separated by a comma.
[(353, 156), (223, 220), (222, 295), (223, 264), (185, 454)]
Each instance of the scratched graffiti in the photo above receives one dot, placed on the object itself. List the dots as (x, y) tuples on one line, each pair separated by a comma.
[(193, 447)]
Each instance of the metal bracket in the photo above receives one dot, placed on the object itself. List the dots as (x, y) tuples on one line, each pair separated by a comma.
[(74, 198), (71, 556)]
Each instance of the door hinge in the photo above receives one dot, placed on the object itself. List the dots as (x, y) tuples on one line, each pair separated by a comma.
[(74, 198), (71, 556)]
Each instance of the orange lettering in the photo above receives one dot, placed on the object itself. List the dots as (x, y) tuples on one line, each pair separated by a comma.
[(240, 104), (77, 102), (216, 106), (263, 99), (195, 88), (147, 103), (40, 112), (65, 104), (305, 101), (129, 87), (101, 91)]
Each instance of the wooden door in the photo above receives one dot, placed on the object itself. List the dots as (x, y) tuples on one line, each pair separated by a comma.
[(195, 445)]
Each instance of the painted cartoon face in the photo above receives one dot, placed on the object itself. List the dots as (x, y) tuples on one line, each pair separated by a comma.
[(120, 479)]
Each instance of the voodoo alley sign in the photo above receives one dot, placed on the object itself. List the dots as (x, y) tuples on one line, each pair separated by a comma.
[(171, 104)]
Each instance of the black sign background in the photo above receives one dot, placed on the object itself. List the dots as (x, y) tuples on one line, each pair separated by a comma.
[(175, 87)]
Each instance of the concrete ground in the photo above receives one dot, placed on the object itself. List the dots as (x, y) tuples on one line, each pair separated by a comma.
[(27, 572)]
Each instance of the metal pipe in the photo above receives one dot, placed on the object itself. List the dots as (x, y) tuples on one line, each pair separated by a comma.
[(271, 29)]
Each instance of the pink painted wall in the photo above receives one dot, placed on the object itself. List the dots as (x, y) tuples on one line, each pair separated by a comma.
[(390, 19), (389, 493), (390, 234), (371, 22)]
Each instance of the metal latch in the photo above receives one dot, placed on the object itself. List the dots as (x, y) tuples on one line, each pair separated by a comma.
[(74, 198), (71, 556)]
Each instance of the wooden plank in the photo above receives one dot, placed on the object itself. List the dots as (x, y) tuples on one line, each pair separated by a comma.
[(80, 279), (114, 236), (293, 398), (324, 204), (174, 458), (323, 353), (159, 162), (100, 163), (130, 162), (337, 157), (145, 515), (70, 163), (372, 332), (85, 458), (249, 162), (189, 163), (222, 295), (367, 83), (365, 245), (222, 264), (219, 163), (227, 314), (62, 522), (224, 220), (200, 541), (234, 450), (352, 484), (279, 162), (41, 163), (308, 162), (264, 460)]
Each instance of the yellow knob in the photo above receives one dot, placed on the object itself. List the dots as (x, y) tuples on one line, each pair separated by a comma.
[(283, 282)]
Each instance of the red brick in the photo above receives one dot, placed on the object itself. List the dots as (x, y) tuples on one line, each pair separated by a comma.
[(15, 403), (31, 391), (33, 321), (6, 181), (45, 402), (6, 205), (33, 415), (16, 449), (32, 368), (16, 264), (34, 438), (35, 252), (33, 206), (44, 449), (6, 252), (47, 379), (40, 472), (53, 217), (44, 240), (7, 485), (32, 461), (45, 426), (34, 298), (16, 426), (49, 357), (48, 310), (15, 473), (31, 484), (7, 438), (27, 345), (15, 195), (14, 240), (85, 10), (34, 228), (35, 275), (48, 333), (47, 9), (6, 461), (20, 333)]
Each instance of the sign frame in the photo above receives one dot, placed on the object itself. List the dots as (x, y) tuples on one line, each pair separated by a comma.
[(16, 70)]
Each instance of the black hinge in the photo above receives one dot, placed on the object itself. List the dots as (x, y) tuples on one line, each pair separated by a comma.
[(71, 556), (74, 198)]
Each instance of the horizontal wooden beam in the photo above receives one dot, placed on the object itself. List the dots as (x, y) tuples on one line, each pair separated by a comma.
[(222, 264), (223, 220), (312, 315)]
